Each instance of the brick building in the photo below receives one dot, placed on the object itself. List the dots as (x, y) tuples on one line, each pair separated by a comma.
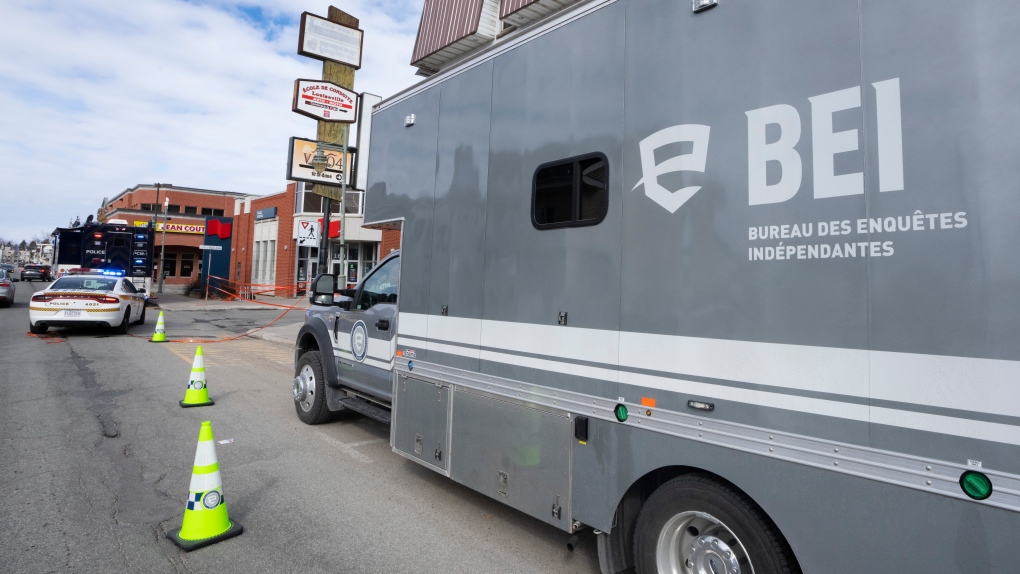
[(268, 251), (185, 229)]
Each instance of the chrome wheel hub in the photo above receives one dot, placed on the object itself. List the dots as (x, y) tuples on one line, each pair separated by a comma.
[(698, 543), (710, 555), (304, 388)]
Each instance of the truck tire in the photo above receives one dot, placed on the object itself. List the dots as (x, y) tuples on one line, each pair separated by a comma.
[(696, 523), (310, 390)]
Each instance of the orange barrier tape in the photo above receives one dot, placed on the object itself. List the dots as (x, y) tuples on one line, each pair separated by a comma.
[(265, 287), (225, 339), (257, 302)]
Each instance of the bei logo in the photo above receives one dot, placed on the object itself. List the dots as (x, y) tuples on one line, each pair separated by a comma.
[(694, 161)]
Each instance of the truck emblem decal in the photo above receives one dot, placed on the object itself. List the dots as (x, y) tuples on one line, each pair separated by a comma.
[(694, 161), (359, 341)]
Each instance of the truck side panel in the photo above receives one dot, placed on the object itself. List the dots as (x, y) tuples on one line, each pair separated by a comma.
[(950, 292), (462, 169), (408, 156), (870, 143), (554, 98), (835, 523)]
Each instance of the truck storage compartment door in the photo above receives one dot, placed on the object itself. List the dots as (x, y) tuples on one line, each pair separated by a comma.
[(421, 415), (514, 453)]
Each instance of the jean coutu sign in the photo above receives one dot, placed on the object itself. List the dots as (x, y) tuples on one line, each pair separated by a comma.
[(325, 101)]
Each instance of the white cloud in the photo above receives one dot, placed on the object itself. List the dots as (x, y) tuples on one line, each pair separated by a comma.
[(99, 96)]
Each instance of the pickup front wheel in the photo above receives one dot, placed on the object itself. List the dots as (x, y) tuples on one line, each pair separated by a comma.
[(309, 390)]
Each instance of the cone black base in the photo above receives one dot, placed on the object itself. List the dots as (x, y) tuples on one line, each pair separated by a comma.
[(189, 405), (189, 545)]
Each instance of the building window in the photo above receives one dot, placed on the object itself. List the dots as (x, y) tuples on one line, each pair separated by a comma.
[(271, 264), (255, 262), (263, 270), (308, 263), (170, 265), (265, 262), (361, 258), (312, 203), (354, 204), (148, 207), (173, 209), (217, 213), (207, 211), (187, 264), (571, 193), (189, 210)]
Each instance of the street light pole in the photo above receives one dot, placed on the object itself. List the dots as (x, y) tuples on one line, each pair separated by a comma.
[(155, 212), (162, 249)]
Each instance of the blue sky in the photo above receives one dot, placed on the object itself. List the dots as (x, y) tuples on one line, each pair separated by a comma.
[(99, 96)]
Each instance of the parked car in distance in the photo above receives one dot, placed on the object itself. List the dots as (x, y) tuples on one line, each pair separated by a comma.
[(6, 288), (35, 272)]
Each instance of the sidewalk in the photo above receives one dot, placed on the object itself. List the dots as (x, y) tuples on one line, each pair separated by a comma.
[(282, 334), (174, 302)]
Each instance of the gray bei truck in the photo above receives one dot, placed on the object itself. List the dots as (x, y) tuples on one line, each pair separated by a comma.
[(737, 288)]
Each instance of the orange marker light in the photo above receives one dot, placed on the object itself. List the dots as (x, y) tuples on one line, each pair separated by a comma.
[(647, 402), (400, 353)]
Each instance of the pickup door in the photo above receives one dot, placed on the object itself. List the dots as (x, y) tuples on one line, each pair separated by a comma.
[(365, 336)]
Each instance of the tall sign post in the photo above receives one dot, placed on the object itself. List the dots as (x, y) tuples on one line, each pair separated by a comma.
[(337, 41), (209, 249)]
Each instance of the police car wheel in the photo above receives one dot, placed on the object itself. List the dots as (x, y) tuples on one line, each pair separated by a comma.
[(697, 523), (310, 390), (122, 329), (37, 329), (141, 318)]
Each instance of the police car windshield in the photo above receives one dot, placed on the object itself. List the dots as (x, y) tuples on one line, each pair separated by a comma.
[(85, 283)]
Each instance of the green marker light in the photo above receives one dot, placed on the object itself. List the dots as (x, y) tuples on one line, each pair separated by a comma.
[(621, 412), (976, 485)]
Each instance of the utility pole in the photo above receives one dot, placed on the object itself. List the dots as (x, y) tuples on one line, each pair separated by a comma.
[(162, 249), (155, 212), (343, 76)]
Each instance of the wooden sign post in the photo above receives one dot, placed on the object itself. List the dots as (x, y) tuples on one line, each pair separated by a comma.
[(343, 76)]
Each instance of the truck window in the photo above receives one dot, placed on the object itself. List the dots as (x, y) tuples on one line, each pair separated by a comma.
[(571, 193), (380, 287)]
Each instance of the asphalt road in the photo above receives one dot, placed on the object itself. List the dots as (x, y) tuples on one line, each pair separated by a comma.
[(96, 455)]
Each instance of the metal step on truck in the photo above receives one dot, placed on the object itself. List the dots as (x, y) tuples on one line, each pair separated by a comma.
[(736, 288)]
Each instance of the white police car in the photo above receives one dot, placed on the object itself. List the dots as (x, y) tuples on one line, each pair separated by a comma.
[(104, 299)]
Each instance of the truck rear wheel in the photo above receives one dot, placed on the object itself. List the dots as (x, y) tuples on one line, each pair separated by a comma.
[(696, 524), (310, 391)]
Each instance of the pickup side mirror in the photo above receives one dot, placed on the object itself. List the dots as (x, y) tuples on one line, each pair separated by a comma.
[(142, 290), (323, 287), (344, 298)]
